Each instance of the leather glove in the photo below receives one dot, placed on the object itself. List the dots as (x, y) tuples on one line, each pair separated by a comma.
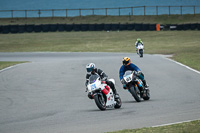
[(138, 73), (104, 78), (122, 81)]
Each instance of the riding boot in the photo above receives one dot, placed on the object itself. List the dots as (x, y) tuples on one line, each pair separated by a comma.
[(116, 95), (112, 86), (145, 83)]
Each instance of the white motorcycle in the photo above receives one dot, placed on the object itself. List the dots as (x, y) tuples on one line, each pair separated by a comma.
[(135, 86), (140, 49), (102, 93)]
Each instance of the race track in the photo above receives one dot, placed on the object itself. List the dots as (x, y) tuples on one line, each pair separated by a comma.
[(47, 95)]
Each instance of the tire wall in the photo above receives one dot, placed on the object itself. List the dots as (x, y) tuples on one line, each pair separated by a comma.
[(5, 29)]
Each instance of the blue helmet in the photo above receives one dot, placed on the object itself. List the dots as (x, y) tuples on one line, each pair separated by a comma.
[(90, 67)]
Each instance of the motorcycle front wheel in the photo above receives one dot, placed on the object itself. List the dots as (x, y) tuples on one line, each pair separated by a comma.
[(141, 53), (147, 97), (100, 102), (135, 93)]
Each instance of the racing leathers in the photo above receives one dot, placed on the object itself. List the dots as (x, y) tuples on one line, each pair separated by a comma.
[(131, 67), (137, 42)]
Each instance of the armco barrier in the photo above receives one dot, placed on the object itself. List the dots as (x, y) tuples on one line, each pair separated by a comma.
[(99, 27), (114, 27), (152, 27), (186, 26), (198, 26), (53, 27), (61, 27), (5, 29), (69, 27), (77, 27), (0, 29), (179, 27), (173, 27), (130, 26), (107, 27), (138, 27), (22, 28), (123, 27), (45, 27), (37, 28), (194, 26), (29, 28), (14, 28), (145, 27), (92, 27), (84, 27)]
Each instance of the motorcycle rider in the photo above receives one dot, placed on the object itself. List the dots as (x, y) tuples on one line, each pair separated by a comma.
[(92, 70), (127, 65), (137, 42)]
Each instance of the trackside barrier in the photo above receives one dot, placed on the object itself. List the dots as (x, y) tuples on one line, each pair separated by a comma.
[(5, 29), (61, 27), (99, 27)]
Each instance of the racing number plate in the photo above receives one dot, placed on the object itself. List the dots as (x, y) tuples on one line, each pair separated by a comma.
[(93, 86), (128, 78)]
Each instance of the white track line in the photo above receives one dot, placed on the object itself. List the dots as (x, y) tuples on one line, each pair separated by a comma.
[(183, 65), (8, 68), (174, 123)]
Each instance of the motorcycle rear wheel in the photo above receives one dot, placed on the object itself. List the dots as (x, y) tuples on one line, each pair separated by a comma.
[(100, 102), (118, 103)]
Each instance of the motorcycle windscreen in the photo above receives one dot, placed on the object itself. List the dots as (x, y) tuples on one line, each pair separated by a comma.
[(93, 78), (127, 73)]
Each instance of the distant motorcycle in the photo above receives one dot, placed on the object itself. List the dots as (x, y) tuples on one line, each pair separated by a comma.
[(140, 49), (102, 93), (135, 86)]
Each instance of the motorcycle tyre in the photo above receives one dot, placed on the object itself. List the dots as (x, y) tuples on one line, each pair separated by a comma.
[(134, 94), (147, 97), (118, 103), (141, 53), (98, 99)]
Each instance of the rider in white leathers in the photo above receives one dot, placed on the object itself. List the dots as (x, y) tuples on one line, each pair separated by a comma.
[(92, 70), (137, 42)]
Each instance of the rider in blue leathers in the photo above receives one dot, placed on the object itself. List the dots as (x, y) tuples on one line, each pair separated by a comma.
[(127, 65)]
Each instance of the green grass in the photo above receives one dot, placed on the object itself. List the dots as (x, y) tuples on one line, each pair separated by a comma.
[(186, 127), (184, 45), (5, 64)]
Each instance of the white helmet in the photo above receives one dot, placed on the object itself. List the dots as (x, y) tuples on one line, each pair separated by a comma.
[(90, 67)]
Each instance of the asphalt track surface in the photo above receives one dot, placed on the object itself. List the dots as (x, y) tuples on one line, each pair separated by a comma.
[(47, 95)]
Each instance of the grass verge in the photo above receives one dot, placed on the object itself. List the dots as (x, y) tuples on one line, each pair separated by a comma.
[(186, 127), (184, 45), (4, 64)]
